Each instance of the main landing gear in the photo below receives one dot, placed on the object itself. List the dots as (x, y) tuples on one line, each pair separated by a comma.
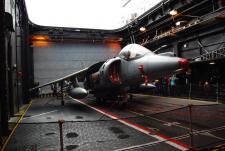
[(119, 101), (122, 101)]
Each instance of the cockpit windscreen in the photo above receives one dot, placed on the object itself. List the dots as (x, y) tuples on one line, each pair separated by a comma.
[(133, 51)]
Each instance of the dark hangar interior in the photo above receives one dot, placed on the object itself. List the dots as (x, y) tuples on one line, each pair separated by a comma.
[(180, 111)]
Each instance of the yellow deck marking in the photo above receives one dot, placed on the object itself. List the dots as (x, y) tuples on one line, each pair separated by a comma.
[(14, 129)]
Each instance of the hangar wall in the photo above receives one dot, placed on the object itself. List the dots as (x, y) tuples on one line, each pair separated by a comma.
[(15, 70), (199, 45), (58, 59)]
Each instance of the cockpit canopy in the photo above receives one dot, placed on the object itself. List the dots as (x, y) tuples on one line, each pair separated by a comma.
[(133, 51)]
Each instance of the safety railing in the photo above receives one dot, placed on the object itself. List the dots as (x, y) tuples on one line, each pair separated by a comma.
[(213, 92), (216, 54)]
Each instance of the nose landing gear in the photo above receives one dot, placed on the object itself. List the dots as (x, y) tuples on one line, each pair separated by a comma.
[(122, 100)]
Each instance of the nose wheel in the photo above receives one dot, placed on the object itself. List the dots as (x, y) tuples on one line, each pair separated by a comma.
[(122, 100)]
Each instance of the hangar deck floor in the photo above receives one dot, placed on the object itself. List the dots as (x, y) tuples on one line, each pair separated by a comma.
[(146, 123)]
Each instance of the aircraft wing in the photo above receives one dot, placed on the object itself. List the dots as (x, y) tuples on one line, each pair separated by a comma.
[(80, 73)]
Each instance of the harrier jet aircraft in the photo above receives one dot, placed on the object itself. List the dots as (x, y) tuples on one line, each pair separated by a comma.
[(113, 79)]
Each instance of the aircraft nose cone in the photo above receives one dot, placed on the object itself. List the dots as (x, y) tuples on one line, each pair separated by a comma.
[(184, 63)]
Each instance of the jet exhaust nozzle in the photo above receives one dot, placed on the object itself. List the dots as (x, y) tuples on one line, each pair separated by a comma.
[(78, 93)]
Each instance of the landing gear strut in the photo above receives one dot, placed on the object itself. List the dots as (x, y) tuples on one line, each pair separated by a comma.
[(122, 100), (130, 97), (62, 99)]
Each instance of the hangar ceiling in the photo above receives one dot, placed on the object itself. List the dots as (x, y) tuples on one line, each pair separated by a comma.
[(98, 14), (186, 33), (156, 20)]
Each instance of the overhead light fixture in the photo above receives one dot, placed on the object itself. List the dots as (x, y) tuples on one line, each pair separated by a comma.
[(142, 29), (181, 22), (178, 23), (173, 12), (40, 38)]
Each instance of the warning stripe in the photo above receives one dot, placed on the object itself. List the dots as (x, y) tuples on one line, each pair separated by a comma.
[(175, 143)]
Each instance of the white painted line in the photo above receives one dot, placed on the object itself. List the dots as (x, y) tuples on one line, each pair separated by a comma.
[(162, 121), (211, 135), (160, 137), (41, 114), (166, 123)]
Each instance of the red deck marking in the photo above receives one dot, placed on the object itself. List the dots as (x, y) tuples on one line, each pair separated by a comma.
[(175, 143)]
